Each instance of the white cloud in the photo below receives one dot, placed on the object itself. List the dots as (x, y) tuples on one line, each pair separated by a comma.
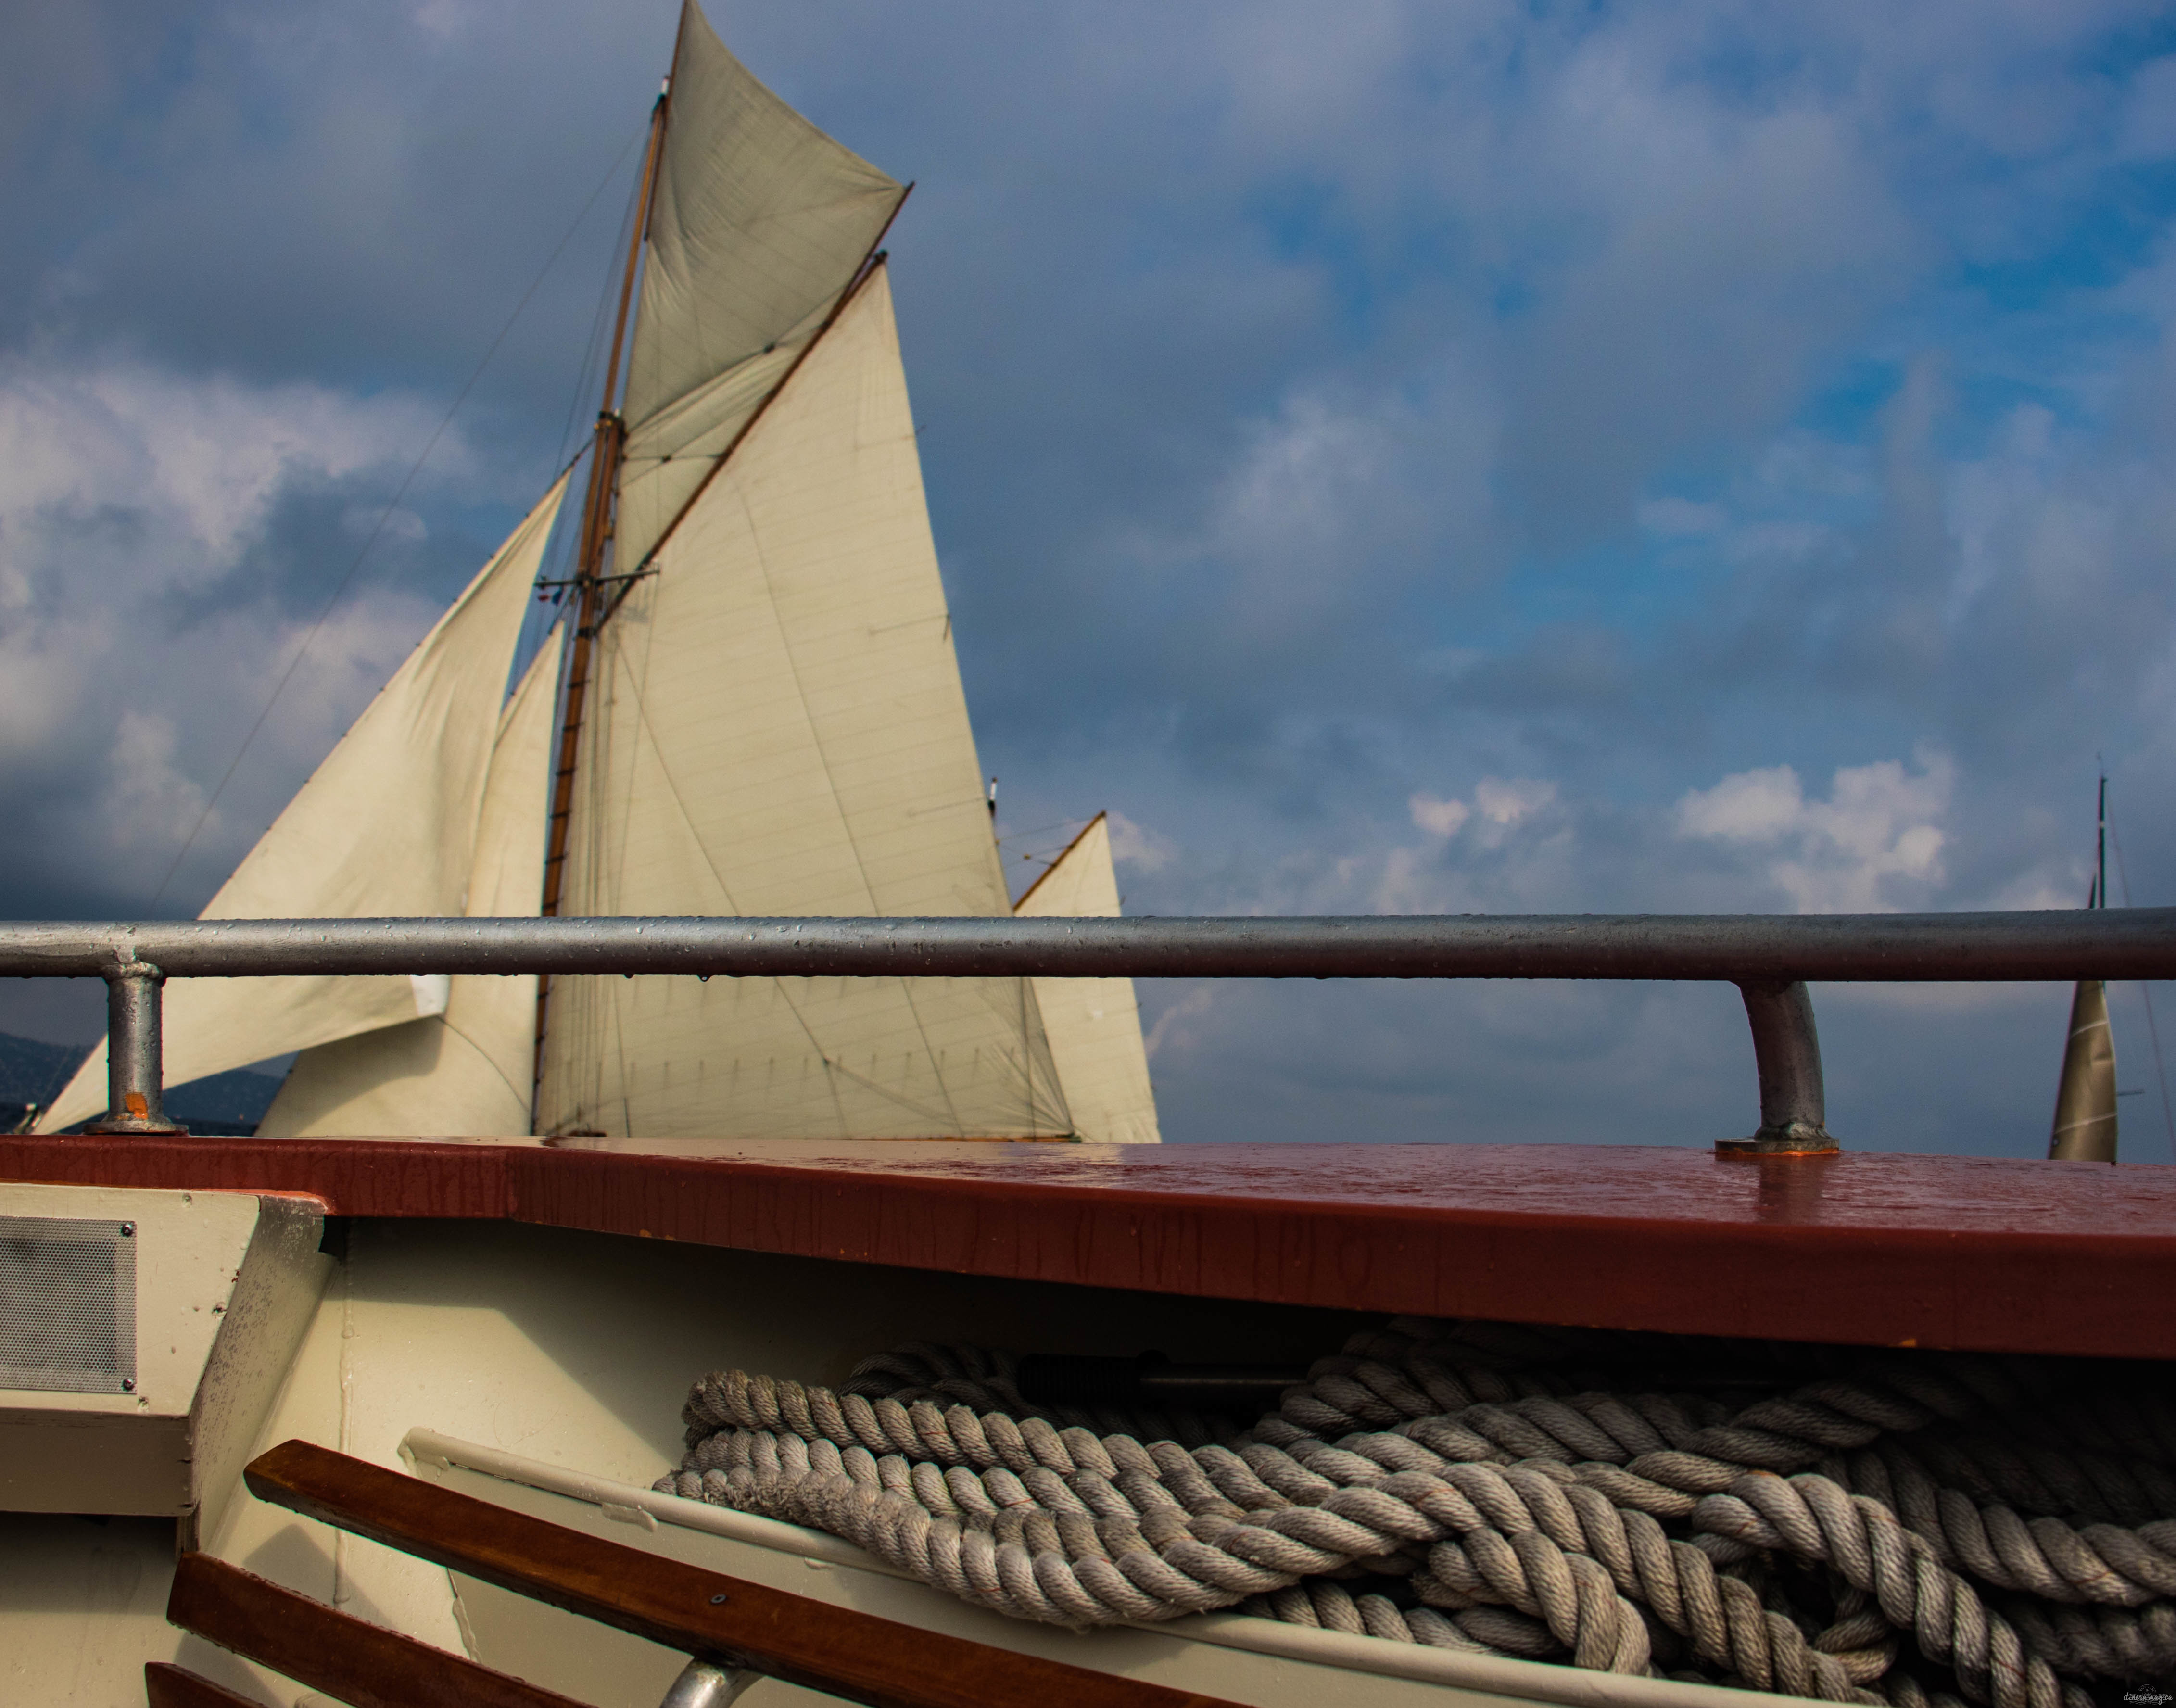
[(1874, 845), (1506, 802), (1438, 818), (1136, 845), (204, 457), (1501, 802), (147, 803), (1751, 807), (1504, 849), (126, 491), (1175, 1029)]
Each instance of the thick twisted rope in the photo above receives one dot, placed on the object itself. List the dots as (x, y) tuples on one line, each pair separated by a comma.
[(1496, 1511)]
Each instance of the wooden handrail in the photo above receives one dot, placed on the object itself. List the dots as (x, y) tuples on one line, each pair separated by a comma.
[(811, 1643), (168, 1686), (332, 1651)]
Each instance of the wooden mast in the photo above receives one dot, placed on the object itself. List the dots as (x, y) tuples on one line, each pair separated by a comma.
[(609, 441)]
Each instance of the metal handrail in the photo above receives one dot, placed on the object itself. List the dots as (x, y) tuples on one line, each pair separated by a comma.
[(1769, 957)]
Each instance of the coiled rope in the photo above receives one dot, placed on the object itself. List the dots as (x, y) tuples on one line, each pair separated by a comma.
[(1916, 1530)]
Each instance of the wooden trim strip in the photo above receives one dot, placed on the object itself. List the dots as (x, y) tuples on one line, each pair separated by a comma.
[(168, 1686), (864, 1659), (357, 1662)]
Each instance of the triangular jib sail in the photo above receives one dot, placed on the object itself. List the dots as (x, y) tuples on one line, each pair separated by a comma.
[(386, 825), (465, 1071)]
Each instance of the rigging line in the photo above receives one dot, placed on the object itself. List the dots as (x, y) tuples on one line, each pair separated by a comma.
[(832, 1066), (635, 685), (483, 1055), (391, 504), (1027, 1067), (891, 1096), (2145, 990), (831, 785), (636, 681), (1080, 836), (1040, 828), (801, 694), (592, 350), (867, 270)]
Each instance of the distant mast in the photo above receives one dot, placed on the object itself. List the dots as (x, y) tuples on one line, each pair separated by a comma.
[(2084, 1130)]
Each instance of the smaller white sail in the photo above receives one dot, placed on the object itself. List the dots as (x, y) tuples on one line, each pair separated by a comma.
[(467, 1072), (1094, 1023), (2085, 1128), (386, 826)]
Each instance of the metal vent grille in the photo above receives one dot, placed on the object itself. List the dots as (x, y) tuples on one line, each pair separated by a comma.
[(68, 1305)]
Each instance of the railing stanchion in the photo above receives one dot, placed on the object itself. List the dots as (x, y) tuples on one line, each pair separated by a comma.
[(1787, 1052), (135, 1070)]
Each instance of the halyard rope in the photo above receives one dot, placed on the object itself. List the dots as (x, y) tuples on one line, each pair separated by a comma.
[(1927, 1529)]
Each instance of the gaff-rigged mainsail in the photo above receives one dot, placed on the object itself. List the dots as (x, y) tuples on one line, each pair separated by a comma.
[(386, 825), (774, 722), (778, 728)]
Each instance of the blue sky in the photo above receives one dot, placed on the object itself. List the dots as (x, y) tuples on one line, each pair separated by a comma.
[(1395, 458)]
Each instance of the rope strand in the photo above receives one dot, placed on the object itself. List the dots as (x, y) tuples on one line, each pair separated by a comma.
[(1853, 1538)]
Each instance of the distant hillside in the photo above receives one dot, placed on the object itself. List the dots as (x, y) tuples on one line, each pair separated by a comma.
[(31, 1072)]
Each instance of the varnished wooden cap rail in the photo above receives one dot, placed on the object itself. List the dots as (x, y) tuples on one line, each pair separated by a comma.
[(345, 1658), (854, 1655), (168, 1686)]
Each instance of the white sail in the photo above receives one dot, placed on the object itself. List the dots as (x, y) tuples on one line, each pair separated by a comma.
[(759, 222), (2084, 1126), (385, 826), (468, 1071), (1094, 1023), (777, 727)]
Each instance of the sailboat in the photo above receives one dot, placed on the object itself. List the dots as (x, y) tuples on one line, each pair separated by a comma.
[(2085, 1125), (758, 712)]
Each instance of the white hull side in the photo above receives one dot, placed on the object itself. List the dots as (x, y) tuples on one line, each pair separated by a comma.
[(572, 1353)]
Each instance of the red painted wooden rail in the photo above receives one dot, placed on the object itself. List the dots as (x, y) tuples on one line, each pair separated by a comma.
[(1862, 1249)]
